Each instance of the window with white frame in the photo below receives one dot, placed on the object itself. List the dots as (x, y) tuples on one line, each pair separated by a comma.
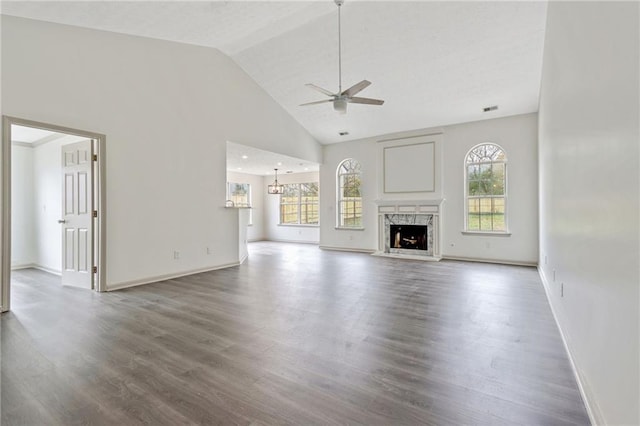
[(486, 189), (349, 194), (240, 194), (299, 204)]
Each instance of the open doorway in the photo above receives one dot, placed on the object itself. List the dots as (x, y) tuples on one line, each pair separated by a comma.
[(53, 205)]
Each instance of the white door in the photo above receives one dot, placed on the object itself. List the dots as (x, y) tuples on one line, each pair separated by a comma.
[(77, 214)]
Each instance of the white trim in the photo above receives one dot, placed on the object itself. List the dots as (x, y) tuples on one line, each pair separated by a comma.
[(165, 277), (22, 266), (497, 261), (48, 270), (36, 266), (22, 144), (593, 411), (345, 228), (349, 249)]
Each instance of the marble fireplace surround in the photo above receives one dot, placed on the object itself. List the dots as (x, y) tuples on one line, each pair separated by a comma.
[(409, 212)]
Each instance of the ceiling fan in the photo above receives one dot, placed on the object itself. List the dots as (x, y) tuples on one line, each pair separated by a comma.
[(342, 98)]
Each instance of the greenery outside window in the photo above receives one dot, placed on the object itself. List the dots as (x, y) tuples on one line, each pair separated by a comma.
[(485, 189), (299, 204), (349, 194), (240, 194)]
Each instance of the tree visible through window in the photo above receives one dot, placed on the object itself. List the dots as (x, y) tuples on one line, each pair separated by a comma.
[(299, 204), (486, 182), (349, 195)]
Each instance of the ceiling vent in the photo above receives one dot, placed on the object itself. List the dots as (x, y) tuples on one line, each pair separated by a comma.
[(490, 108), (343, 133)]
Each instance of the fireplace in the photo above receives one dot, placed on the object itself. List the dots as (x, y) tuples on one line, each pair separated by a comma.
[(409, 229), (408, 237), (410, 234)]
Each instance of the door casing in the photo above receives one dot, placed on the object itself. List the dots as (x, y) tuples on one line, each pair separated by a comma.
[(99, 203)]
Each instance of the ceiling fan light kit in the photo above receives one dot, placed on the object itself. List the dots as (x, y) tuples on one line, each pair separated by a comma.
[(342, 98)]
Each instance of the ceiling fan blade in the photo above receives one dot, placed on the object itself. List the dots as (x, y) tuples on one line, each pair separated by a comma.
[(367, 101), (320, 89), (317, 102), (356, 88)]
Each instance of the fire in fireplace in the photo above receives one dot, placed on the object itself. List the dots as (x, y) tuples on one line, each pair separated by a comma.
[(412, 237)]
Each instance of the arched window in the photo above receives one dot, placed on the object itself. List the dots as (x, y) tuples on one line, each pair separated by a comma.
[(486, 188), (349, 195)]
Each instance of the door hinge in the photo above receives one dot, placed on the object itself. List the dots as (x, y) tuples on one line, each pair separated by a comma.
[(95, 157), (95, 269), (95, 213)]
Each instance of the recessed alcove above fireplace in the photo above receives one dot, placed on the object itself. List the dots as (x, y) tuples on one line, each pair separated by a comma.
[(409, 229)]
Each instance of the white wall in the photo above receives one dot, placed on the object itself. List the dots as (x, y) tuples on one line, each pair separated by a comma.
[(589, 214), (23, 250), (167, 110), (255, 231), (516, 134), (293, 233)]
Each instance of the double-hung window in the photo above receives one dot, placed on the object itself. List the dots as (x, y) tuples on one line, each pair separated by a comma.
[(299, 204)]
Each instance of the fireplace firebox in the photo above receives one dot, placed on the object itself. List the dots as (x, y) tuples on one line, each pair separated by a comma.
[(408, 237)]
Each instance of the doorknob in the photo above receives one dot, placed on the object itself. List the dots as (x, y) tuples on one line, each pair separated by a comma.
[(62, 221)]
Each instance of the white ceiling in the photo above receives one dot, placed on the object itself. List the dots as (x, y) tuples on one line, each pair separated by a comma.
[(246, 159), (434, 63)]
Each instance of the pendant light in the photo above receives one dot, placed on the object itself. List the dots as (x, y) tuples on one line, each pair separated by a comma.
[(275, 188)]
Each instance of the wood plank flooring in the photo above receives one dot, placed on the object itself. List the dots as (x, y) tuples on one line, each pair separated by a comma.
[(295, 335)]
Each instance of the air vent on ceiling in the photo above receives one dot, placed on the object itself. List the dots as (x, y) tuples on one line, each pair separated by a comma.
[(343, 133), (490, 108)]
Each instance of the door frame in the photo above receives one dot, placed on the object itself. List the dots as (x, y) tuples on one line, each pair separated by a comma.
[(99, 203)]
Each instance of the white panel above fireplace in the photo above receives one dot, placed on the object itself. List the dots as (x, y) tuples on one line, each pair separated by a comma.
[(410, 167)]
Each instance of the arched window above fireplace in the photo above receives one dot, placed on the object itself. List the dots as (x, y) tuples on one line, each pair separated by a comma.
[(486, 189), (349, 200)]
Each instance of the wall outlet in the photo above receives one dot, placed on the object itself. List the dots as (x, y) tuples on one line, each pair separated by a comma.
[(208, 250), (554, 275), (176, 255), (562, 290), (545, 259), (488, 244)]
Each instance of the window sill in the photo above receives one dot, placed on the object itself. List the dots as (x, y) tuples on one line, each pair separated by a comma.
[(488, 233), (298, 225), (346, 228)]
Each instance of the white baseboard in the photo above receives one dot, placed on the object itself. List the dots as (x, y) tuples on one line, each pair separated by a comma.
[(593, 411), (498, 261), (357, 250), (292, 241), (36, 266), (157, 278), (19, 266)]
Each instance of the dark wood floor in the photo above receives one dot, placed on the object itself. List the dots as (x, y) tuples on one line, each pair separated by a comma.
[(295, 335)]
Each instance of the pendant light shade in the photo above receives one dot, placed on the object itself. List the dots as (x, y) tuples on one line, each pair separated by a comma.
[(275, 188)]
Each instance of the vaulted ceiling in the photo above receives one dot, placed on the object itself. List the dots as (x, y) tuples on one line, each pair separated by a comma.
[(434, 63)]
